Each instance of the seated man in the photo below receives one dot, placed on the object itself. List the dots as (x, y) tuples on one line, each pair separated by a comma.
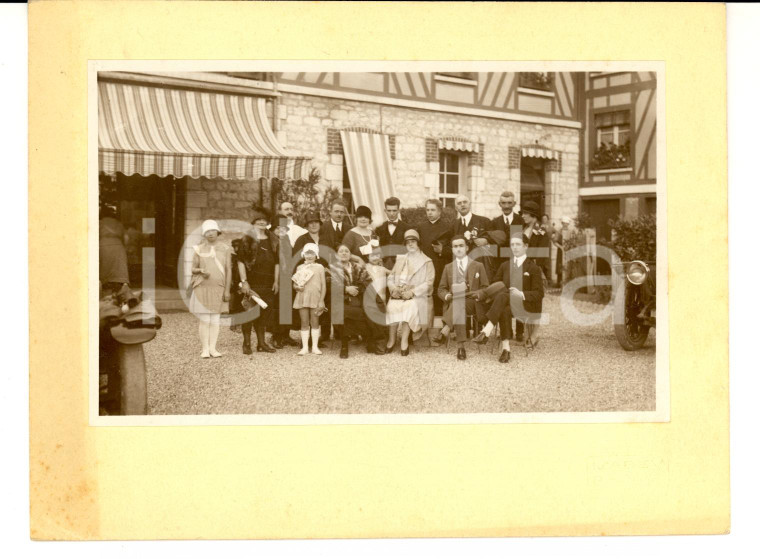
[(460, 276), (518, 291)]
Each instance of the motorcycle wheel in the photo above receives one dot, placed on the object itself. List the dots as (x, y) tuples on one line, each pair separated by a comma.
[(632, 334)]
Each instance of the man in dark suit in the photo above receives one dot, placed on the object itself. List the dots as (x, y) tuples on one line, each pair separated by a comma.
[(332, 231), (500, 228), (435, 238), (460, 276), (391, 232), (331, 235), (474, 228), (518, 290)]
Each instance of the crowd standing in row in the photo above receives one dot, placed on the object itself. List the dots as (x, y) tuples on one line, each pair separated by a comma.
[(394, 278)]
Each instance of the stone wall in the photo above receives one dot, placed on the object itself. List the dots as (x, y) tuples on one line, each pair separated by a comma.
[(308, 125)]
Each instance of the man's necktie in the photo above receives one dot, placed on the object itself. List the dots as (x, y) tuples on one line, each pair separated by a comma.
[(464, 223), (461, 268)]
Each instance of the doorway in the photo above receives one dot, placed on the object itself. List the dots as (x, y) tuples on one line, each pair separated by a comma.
[(532, 182), (152, 211)]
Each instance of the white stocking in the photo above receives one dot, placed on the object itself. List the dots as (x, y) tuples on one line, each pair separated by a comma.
[(203, 329)]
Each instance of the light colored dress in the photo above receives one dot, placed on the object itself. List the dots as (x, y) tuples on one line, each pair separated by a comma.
[(208, 295), (311, 296), (418, 272)]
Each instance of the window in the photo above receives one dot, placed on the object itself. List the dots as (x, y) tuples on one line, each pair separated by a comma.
[(612, 128), (460, 75), (450, 176), (543, 81)]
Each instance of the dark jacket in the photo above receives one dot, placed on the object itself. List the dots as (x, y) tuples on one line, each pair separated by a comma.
[(429, 234), (386, 239), (539, 249), (330, 237), (528, 279)]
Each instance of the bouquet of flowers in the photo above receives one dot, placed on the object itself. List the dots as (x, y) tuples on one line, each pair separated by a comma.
[(302, 276)]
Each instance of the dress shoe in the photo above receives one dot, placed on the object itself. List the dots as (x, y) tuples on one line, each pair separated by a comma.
[(481, 339), (461, 354), (247, 349), (504, 357), (277, 343), (440, 339), (287, 340), (404, 352), (390, 349), (265, 348), (377, 350), (344, 352)]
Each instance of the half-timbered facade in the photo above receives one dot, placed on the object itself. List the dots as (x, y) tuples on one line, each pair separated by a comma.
[(447, 133), (619, 148)]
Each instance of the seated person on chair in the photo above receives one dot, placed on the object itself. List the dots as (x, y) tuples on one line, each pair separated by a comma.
[(460, 276), (518, 290)]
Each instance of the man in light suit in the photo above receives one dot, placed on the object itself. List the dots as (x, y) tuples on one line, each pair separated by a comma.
[(460, 276), (517, 290)]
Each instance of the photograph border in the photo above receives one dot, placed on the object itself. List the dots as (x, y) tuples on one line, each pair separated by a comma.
[(661, 413)]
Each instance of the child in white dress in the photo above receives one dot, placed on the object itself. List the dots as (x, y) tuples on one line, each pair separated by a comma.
[(311, 287)]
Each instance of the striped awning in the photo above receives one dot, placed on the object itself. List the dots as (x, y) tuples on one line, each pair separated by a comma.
[(453, 144), (541, 152), (368, 158), (150, 130)]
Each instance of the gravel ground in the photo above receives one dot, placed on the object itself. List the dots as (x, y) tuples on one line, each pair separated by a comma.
[(574, 369)]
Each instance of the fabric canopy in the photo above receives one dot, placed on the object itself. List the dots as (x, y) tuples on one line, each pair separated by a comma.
[(368, 158), (458, 145), (539, 151), (149, 130)]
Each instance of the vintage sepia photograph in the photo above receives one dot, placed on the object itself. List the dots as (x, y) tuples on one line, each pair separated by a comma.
[(285, 243)]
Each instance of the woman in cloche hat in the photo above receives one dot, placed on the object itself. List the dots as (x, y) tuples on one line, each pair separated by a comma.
[(210, 285), (411, 289)]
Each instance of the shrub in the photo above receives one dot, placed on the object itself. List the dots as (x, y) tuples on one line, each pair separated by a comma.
[(634, 239), (306, 196), (416, 216)]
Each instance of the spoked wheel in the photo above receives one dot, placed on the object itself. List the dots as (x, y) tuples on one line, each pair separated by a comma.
[(633, 332)]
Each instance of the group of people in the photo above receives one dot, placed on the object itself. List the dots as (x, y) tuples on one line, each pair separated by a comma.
[(381, 285)]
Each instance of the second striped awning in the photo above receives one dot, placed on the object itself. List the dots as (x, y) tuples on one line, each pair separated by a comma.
[(538, 151), (370, 171), (149, 130)]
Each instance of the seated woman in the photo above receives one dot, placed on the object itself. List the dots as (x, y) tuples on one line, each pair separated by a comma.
[(361, 240), (355, 280), (411, 289)]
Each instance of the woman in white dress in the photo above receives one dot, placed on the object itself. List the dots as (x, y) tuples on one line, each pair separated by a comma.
[(411, 291)]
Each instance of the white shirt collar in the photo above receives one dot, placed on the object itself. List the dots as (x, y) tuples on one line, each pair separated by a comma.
[(435, 221), (335, 223), (509, 217), (520, 260), (466, 217), (463, 262)]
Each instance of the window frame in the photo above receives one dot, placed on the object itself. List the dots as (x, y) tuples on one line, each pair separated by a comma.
[(461, 174), (523, 81), (595, 134)]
